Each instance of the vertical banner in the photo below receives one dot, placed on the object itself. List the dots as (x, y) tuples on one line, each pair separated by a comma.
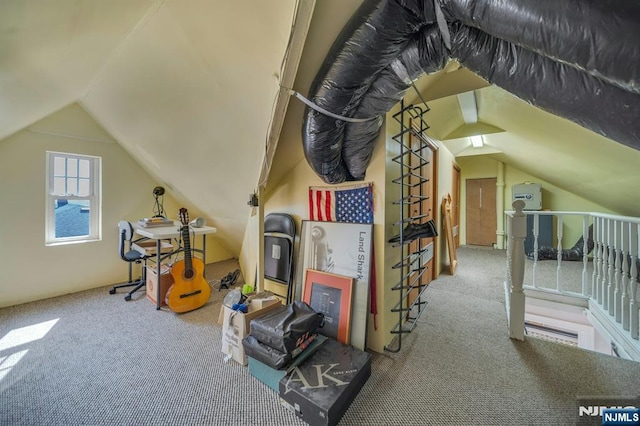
[(344, 249)]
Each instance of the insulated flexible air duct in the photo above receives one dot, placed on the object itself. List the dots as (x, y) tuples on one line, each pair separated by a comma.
[(579, 60)]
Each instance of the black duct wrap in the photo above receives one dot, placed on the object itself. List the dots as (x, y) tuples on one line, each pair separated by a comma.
[(601, 38), (579, 60), (575, 253), (377, 34), (553, 86)]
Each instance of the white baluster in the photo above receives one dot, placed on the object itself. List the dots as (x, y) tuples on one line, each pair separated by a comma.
[(509, 246), (585, 255), (559, 256), (518, 234), (595, 278), (610, 273), (634, 309), (624, 275), (605, 264), (536, 232), (616, 309)]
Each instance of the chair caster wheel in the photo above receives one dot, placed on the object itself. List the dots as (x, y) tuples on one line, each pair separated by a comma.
[(127, 297), (112, 291)]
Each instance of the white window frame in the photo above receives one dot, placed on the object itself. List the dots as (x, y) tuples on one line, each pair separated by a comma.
[(95, 198)]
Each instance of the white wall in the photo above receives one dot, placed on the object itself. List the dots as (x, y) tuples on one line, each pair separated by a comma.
[(553, 197), (33, 271)]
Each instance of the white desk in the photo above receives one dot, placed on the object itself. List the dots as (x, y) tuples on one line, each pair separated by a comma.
[(160, 233)]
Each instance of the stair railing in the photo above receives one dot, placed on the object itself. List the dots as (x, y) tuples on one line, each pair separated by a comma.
[(610, 254)]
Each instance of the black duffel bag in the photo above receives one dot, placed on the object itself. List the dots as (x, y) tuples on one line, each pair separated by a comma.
[(287, 327), (265, 354)]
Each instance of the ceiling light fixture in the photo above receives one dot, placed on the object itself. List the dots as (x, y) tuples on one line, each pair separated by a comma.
[(477, 141), (468, 107)]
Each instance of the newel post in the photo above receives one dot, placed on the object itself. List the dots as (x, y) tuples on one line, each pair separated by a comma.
[(517, 236)]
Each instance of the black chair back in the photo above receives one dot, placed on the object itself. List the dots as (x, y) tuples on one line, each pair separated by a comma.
[(126, 234)]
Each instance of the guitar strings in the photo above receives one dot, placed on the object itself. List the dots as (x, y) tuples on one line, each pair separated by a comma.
[(192, 236)]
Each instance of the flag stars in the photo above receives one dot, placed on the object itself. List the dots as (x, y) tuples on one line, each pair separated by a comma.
[(348, 205)]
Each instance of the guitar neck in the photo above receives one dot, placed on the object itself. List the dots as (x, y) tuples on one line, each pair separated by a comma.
[(187, 248)]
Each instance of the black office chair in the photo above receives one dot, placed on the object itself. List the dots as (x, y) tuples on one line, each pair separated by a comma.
[(131, 256)]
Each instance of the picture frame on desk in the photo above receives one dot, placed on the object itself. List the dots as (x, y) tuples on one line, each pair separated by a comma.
[(331, 295)]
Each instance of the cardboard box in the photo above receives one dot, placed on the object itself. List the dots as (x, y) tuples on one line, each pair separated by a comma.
[(235, 326), (166, 281), (262, 302), (320, 390), (149, 247), (270, 376)]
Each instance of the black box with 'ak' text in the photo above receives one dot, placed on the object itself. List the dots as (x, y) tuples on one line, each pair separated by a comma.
[(321, 389)]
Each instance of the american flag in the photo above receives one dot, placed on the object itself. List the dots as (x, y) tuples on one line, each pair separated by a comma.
[(351, 204)]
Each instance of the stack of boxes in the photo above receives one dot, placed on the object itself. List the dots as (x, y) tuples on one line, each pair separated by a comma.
[(235, 325), (318, 384), (321, 389)]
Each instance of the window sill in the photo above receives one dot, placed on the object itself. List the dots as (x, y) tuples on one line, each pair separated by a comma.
[(64, 243)]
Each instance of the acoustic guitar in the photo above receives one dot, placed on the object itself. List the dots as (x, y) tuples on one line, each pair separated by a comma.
[(190, 290)]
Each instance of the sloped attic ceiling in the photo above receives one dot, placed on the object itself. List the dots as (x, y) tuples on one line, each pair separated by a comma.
[(541, 144), (51, 52), (188, 88), (549, 147)]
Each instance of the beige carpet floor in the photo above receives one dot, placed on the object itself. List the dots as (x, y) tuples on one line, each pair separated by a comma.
[(91, 358)]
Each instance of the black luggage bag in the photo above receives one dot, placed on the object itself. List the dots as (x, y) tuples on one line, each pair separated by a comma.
[(285, 328)]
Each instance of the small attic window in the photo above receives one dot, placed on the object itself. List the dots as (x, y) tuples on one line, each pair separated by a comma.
[(73, 191)]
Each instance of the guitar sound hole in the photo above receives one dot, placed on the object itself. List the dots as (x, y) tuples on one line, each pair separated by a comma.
[(188, 274)]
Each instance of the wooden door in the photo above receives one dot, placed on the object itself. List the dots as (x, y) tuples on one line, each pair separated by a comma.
[(481, 211), (424, 167)]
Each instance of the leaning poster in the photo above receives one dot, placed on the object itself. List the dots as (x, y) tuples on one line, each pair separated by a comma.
[(344, 249)]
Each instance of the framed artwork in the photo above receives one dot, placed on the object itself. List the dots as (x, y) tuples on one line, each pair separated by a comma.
[(331, 295), (343, 249)]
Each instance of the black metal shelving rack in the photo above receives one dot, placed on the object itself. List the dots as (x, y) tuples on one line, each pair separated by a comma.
[(410, 266)]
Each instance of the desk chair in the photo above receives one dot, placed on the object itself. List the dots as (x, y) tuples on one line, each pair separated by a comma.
[(131, 256)]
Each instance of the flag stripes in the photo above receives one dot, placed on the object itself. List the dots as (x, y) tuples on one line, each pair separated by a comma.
[(352, 204)]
